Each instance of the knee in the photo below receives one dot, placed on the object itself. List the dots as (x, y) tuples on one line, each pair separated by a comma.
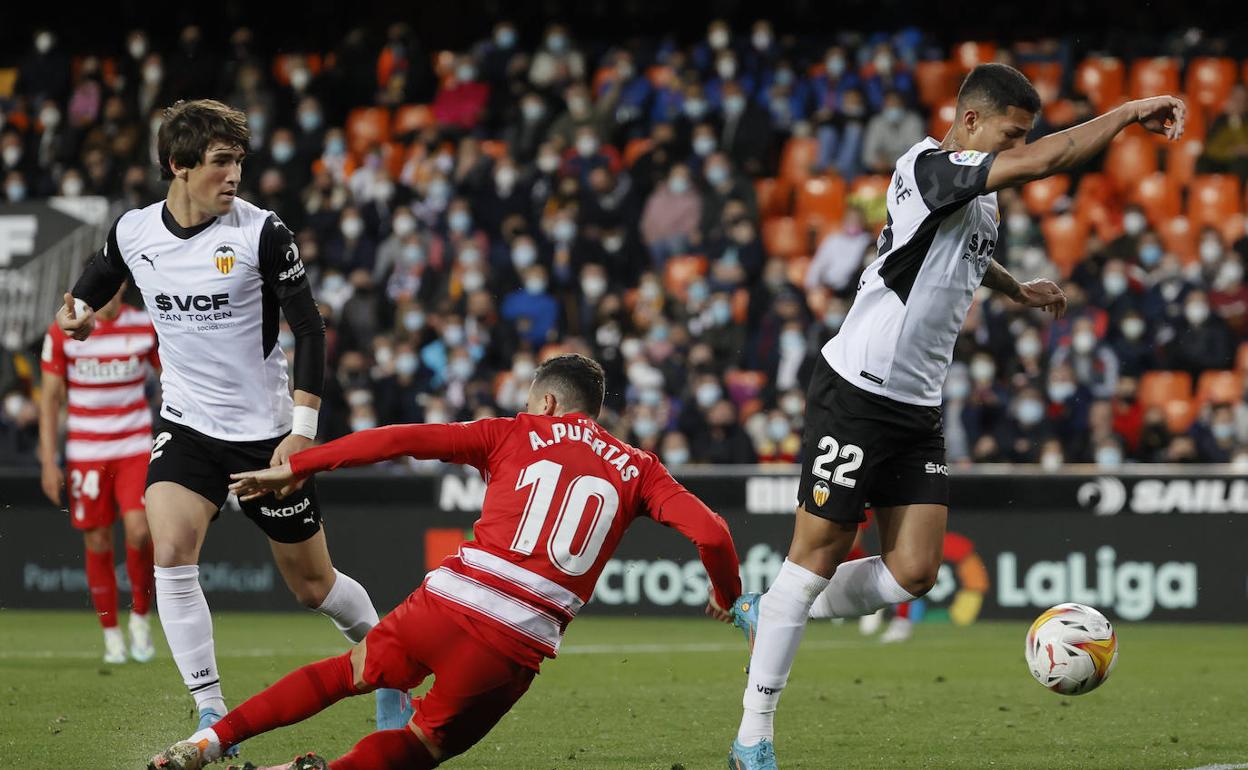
[(916, 576), (99, 540), (310, 591), (171, 554), (137, 534)]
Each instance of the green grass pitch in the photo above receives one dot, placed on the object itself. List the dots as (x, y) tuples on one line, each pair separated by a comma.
[(648, 693)]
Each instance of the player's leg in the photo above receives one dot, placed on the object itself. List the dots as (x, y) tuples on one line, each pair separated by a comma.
[(102, 583), (900, 627), (301, 553), (128, 489)]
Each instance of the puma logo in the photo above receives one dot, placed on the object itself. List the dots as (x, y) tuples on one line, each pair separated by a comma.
[(149, 260)]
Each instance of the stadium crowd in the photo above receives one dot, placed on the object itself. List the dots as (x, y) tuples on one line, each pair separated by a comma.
[(462, 214)]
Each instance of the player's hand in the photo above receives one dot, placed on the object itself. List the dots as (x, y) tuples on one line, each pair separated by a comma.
[(78, 325), (713, 610), (249, 485), (1163, 115), (291, 444), (1043, 294), (53, 481)]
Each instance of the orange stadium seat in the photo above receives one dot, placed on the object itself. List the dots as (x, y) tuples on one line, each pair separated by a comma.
[(681, 271), (1179, 237), (1046, 76), (1219, 387), (1233, 228), (782, 237), (1211, 198), (820, 201), (1159, 387), (943, 116), (1128, 160), (1100, 78), (1158, 196), (936, 81), (411, 118), (970, 53), (1154, 76), (1059, 112), (635, 149), (767, 194), (660, 75), (798, 159), (367, 126), (740, 305), (494, 148), (1066, 239), (1040, 195), (285, 63), (1181, 157), (1209, 81)]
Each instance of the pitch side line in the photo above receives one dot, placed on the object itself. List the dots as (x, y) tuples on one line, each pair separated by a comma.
[(571, 649), (1243, 766)]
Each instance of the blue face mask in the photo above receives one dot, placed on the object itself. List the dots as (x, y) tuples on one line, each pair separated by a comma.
[(310, 120), (1150, 254)]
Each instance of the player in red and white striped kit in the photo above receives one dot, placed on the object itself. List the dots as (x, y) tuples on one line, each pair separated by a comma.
[(109, 428), (560, 493)]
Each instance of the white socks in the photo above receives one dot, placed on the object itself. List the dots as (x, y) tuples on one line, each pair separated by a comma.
[(188, 629), (859, 588), (782, 613), (348, 605)]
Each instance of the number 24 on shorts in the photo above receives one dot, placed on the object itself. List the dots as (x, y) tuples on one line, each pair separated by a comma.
[(852, 453)]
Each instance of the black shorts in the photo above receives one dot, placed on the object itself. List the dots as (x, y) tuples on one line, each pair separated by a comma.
[(861, 449), (203, 464)]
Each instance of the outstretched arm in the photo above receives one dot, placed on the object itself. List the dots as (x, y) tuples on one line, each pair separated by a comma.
[(458, 442), (689, 516), (1042, 294), (1068, 149)]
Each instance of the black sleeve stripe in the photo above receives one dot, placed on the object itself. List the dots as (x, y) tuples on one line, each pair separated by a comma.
[(943, 183)]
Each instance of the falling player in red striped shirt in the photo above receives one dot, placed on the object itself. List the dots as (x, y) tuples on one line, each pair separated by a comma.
[(109, 428), (560, 493)]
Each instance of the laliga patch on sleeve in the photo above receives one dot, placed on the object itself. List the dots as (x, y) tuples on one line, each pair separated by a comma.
[(968, 158)]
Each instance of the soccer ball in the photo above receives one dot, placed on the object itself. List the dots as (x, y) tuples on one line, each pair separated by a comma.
[(1071, 648)]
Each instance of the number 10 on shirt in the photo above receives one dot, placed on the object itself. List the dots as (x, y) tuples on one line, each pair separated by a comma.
[(543, 476)]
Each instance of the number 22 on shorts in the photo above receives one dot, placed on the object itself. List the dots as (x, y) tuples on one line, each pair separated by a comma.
[(161, 439), (840, 474)]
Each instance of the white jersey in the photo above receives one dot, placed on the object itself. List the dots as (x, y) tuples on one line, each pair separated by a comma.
[(897, 340), (212, 294)]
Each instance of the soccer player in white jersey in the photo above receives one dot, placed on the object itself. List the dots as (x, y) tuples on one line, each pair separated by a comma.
[(214, 270), (108, 435), (873, 423)]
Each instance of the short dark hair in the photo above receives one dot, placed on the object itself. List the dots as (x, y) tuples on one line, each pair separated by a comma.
[(999, 86), (189, 128), (578, 381)]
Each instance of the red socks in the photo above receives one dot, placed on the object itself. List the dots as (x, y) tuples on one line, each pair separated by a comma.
[(139, 567), (387, 750), (903, 610), (293, 698), (102, 580)]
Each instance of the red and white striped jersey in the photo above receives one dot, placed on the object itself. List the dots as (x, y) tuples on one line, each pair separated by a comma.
[(560, 493), (109, 418)]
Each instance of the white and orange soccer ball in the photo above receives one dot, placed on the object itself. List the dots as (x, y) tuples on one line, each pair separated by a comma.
[(1071, 649)]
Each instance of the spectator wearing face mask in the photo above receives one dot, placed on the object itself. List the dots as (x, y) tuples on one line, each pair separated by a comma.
[(1093, 363), (1226, 145), (1135, 224), (669, 221), (1107, 453), (745, 133), (1132, 345), (787, 99), (780, 444), (579, 112), (723, 184), (674, 450), (462, 98), (724, 442), (1214, 434), (526, 130), (884, 73), (1201, 341), (558, 62), (1068, 406), (985, 401), (532, 309), (351, 248), (890, 134), (838, 260), (727, 70), (1229, 296), (44, 71), (1024, 430), (841, 128)]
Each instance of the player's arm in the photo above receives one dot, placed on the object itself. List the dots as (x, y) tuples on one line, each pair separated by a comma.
[(98, 283), (1039, 293), (51, 398), (1076, 145), (468, 443), (283, 272), (673, 506)]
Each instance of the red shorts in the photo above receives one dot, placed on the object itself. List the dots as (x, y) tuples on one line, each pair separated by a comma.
[(100, 488), (473, 687)]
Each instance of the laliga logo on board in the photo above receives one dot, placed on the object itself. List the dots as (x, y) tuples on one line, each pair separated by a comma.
[(223, 258), (1106, 496)]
